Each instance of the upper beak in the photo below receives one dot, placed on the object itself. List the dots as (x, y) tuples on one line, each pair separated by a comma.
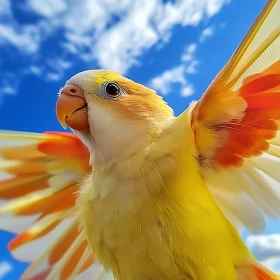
[(71, 108)]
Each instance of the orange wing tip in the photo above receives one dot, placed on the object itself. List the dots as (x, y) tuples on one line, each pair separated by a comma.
[(40, 276), (259, 83), (255, 272), (231, 132), (26, 152), (263, 274), (19, 240), (30, 235), (65, 145)]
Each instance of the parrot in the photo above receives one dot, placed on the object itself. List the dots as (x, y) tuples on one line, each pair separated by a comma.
[(137, 193)]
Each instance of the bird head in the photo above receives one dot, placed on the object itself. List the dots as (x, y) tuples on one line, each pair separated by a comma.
[(111, 114)]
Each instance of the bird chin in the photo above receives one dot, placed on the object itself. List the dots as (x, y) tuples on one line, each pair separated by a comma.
[(87, 138)]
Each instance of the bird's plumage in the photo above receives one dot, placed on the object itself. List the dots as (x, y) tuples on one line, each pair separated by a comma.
[(144, 193), (236, 123)]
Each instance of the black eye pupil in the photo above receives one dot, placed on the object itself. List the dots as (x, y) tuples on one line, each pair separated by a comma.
[(112, 89)]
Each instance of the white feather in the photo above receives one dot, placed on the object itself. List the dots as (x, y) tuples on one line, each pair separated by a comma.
[(34, 249), (249, 193)]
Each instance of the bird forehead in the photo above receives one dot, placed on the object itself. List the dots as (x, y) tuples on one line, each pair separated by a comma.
[(100, 78), (97, 77)]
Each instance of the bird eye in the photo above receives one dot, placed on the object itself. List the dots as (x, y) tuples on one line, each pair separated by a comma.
[(112, 89)]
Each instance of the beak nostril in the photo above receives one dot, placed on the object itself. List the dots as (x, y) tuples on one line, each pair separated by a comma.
[(72, 90)]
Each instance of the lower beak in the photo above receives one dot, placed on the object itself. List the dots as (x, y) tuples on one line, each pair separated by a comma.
[(71, 109)]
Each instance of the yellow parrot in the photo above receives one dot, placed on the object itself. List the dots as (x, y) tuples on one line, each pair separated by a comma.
[(139, 194)]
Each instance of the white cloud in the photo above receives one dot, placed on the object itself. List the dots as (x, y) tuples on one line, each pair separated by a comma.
[(185, 13), (266, 248), (189, 52), (112, 34), (148, 22), (26, 38), (214, 6), (56, 68), (53, 77), (191, 68), (96, 15), (69, 47), (5, 268), (178, 74), (187, 90), (9, 83), (36, 70), (91, 26), (164, 82), (53, 70), (206, 33), (4, 7), (48, 8), (188, 58), (121, 45)]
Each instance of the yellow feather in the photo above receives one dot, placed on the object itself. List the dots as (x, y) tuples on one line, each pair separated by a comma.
[(105, 76), (154, 207), (158, 225)]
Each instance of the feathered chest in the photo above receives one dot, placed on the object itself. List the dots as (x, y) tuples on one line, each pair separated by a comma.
[(118, 197), (125, 215), (132, 216)]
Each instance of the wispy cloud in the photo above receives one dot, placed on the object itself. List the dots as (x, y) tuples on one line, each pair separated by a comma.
[(189, 60), (266, 248), (189, 52), (5, 268), (144, 23), (24, 38), (108, 34), (52, 70), (48, 8), (164, 82), (178, 74), (206, 33), (56, 68), (8, 84)]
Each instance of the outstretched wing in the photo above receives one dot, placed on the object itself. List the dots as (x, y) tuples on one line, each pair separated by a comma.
[(237, 129), (39, 178)]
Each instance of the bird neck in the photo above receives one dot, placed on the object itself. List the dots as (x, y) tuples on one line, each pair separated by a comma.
[(123, 140)]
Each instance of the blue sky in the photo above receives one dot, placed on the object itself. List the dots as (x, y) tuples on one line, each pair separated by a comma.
[(177, 47)]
